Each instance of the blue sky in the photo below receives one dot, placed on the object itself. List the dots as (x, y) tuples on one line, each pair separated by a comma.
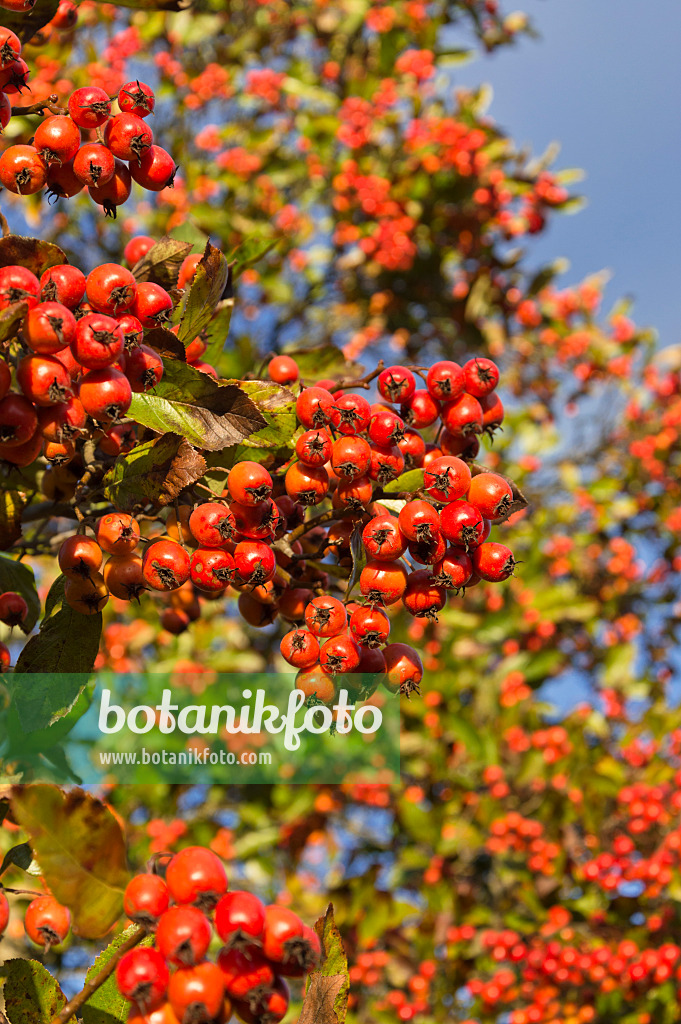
[(604, 80)]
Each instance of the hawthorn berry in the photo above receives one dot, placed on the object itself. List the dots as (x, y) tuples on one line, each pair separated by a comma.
[(283, 370), (10, 49), (492, 413), (396, 384), (270, 1005), (463, 416), (80, 556), (113, 193), (136, 98), (46, 922), (62, 182), (421, 410), (117, 533), (18, 284), (13, 608), (427, 552), (462, 524), (142, 977), (128, 136), (239, 919), (105, 394), (349, 413), (143, 368), (152, 304), (22, 170), (188, 269), (493, 562), (418, 520), (245, 970), (183, 935), (339, 654), (447, 479), (249, 483), (196, 994), (57, 139), (196, 875), (111, 289), (386, 428), (283, 935), (155, 169), (94, 165), (383, 538), (404, 669), (212, 569), (49, 327), (165, 565), (491, 494), (481, 376), (383, 582), (325, 616), (300, 648), (453, 570), (306, 484), (137, 248), (44, 380), (445, 381), (145, 899), (413, 448), (370, 626), (254, 562), (313, 407), (124, 577), (386, 463), (89, 107), (423, 597), (87, 596), (316, 685), (63, 284), (314, 447), (350, 457)]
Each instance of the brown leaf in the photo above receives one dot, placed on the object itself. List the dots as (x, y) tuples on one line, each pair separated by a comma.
[(155, 472), (162, 263), (185, 469), (519, 500), (33, 253), (11, 319), (12, 504), (320, 998), (165, 343), (326, 997)]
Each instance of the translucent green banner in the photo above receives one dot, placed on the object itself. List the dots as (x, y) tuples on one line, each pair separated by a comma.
[(196, 728)]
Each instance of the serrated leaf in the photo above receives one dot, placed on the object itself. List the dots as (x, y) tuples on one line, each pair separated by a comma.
[(326, 998), (412, 480), (20, 855), (19, 577), (33, 253), (277, 406), (323, 361), (67, 642), (80, 846), (11, 319), (208, 414), (205, 291), (32, 995), (162, 262), (107, 1005), (155, 472), (12, 505)]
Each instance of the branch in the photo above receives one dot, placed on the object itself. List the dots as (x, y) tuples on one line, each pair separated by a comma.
[(39, 108), (74, 1005)]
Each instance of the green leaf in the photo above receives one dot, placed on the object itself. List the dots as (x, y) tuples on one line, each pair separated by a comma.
[(162, 263), (11, 318), (32, 995), (277, 406), (323, 361), (412, 480), (21, 856), (217, 331), (19, 577), (157, 472), (79, 844), (107, 1005), (326, 998), (32, 253), (208, 414), (206, 290), (12, 505), (23, 741), (68, 642), (46, 697), (250, 252), (359, 557)]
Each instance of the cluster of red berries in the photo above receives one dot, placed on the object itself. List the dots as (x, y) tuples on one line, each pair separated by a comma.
[(46, 921), (117, 150), (82, 356), (14, 73), (173, 981)]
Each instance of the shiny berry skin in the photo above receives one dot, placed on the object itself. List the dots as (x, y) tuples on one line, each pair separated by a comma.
[(43, 379), (89, 107), (339, 654), (370, 626), (46, 922), (155, 169), (143, 368), (98, 341), (18, 284), (420, 411), (325, 616), (128, 136), (462, 524), (396, 384), (136, 98), (350, 414), (165, 565), (49, 327), (427, 552), (10, 49), (196, 875), (87, 596), (314, 447), (271, 1005), (313, 407), (105, 394), (183, 935), (4, 902), (249, 483), (197, 993), (111, 289), (117, 533), (211, 569), (254, 562), (133, 332), (113, 193), (22, 170), (239, 919), (309, 955), (145, 899), (62, 182), (152, 305), (491, 494), (463, 416), (466, 446), (316, 684), (413, 449), (422, 597), (212, 524), (418, 520), (351, 457), (64, 284), (383, 582), (80, 557), (383, 538), (14, 77), (13, 609), (283, 934), (245, 970), (353, 494), (119, 438), (386, 428), (403, 667), (481, 376), (493, 562), (124, 577), (142, 977), (447, 479), (283, 370), (18, 420), (300, 648), (445, 381), (94, 165), (386, 464), (453, 570), (57, 139), (137, 248), (307, 485), (492, 413)]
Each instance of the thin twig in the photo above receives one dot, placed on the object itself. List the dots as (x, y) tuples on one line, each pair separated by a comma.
[(39, 108), (74, 1005)]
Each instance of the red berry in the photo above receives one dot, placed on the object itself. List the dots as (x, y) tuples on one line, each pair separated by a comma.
[(463, 416), (211, 569), (142, 977), (111, 289), (283, 934), (49, 327), (447, 479), (313, 407), (18, 284), (136, 98), (325, 616), (114, 192), (254, 562), (13, 608), (43, 379), (445, 381), (386, 464), (212, 524), (143, 368), (57, 139), (145, 899), (22, 170), (300, 648), (105, 394), (404, 668), (62, 182), (98, 341), (79, 557), (152, 305), (94, 165), (314, 447), (481, 376), (10, 49), (183, 935), (453, 570), (370, 626), (382, 582), (155, 169), (350, 414), (4, 902), (117, 533), (89, 107), (188, 269), (196, 875), (492, 413), (462, 524), (245, 970), (197, 994), (493, 562), (18, 420), (383, 538), (165, 565), (239, 919), (128, 136), (133, 332), (396, 384), (307, 485), (420, 410), (386, 428), (283, 370), (64, 284), (413, 448), (422, 597), (137, 248), (491, 494), (46, 922), (419, 520), (339, 654), (351, 457)]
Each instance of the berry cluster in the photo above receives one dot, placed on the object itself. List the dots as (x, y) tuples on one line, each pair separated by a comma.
[(174, 981), (116, 150)]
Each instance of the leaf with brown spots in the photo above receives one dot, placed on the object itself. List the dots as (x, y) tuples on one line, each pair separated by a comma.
[(33, 253), (157, 472), (519, 500), (204, 293), (32, 995), (326, 998), (162, 263), (80, 847)]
